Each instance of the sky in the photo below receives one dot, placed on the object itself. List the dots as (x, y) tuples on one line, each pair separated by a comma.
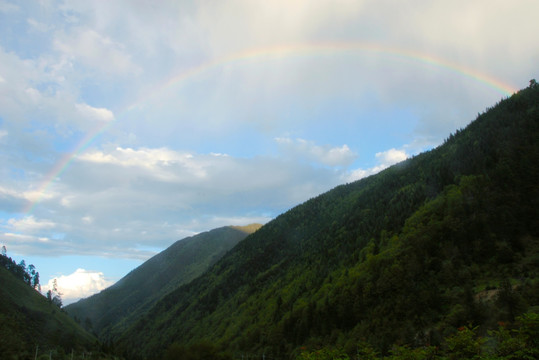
[(128, 125)]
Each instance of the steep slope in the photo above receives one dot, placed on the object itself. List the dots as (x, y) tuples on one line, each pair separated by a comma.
[(405, 256), (116, 307), (27, 320)]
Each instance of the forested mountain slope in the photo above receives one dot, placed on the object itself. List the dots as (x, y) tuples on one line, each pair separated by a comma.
[(117, 306), (444, 239), (28, 320)]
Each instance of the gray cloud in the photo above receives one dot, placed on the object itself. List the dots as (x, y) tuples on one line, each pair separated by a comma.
[(154, 196)]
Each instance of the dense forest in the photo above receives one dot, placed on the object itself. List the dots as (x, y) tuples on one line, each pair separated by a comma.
[(446, 240)]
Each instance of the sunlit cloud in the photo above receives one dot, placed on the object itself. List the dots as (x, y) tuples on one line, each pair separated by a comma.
[(80, 284), (16, 239), (90, 112), (385, 159), (391, 156), (30, 224), (327, 155)]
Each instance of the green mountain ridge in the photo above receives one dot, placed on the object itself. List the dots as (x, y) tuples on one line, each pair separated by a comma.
[(115, 308), (29, 322), (402, 257)]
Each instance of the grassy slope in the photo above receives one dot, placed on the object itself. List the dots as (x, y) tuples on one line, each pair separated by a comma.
[(27, 319), (118, 306)]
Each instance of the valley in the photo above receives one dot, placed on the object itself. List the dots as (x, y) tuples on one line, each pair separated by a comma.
[(432, 258)]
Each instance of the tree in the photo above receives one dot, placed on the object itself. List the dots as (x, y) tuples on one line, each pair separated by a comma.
[(31, 274), (35, 281), (22, 265), (53, 295), (4, 251), (464, 344)]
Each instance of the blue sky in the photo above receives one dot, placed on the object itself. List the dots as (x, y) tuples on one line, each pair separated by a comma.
[(128, 125)]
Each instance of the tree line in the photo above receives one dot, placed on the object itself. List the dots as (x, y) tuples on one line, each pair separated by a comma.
[(30, 276), (27, 274)]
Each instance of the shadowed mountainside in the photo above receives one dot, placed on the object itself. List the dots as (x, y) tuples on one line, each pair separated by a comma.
[(116, 307), (28, 319)]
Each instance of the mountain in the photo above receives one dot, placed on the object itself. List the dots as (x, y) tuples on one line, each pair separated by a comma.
[(406, 257), (29, 322), (114, 308)]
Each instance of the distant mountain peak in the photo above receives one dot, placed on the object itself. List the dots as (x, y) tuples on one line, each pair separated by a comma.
[(117, 306), (248, 229)]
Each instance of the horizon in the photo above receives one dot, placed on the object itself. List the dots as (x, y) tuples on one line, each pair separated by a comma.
[(125, 127)]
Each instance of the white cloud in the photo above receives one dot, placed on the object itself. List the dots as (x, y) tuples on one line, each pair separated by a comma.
[(38, 91), (152, 197), (93, 113), (143, 157), (80, 284), (391, 156), (330, 156), (385, 159), (32, 196), (29, 224), (161, 163), (96, 51), (18, 239)]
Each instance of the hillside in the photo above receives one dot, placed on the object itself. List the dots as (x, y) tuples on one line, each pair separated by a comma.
[(114, 308), (28, 319), (444, 239)]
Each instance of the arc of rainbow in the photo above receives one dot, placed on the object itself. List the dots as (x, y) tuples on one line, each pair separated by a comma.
[(328, 48), (266, 54), (63, 164)]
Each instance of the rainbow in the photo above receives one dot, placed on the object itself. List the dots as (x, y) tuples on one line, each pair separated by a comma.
[(267, 54), (62, 165), (328, 49)]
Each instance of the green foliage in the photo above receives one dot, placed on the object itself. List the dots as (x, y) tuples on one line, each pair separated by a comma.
[(399, 260), (407, 353), (325, 354), (519, 342), (28, 275), (464, 344), (366, 352), (27, 319), (198, 351)]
